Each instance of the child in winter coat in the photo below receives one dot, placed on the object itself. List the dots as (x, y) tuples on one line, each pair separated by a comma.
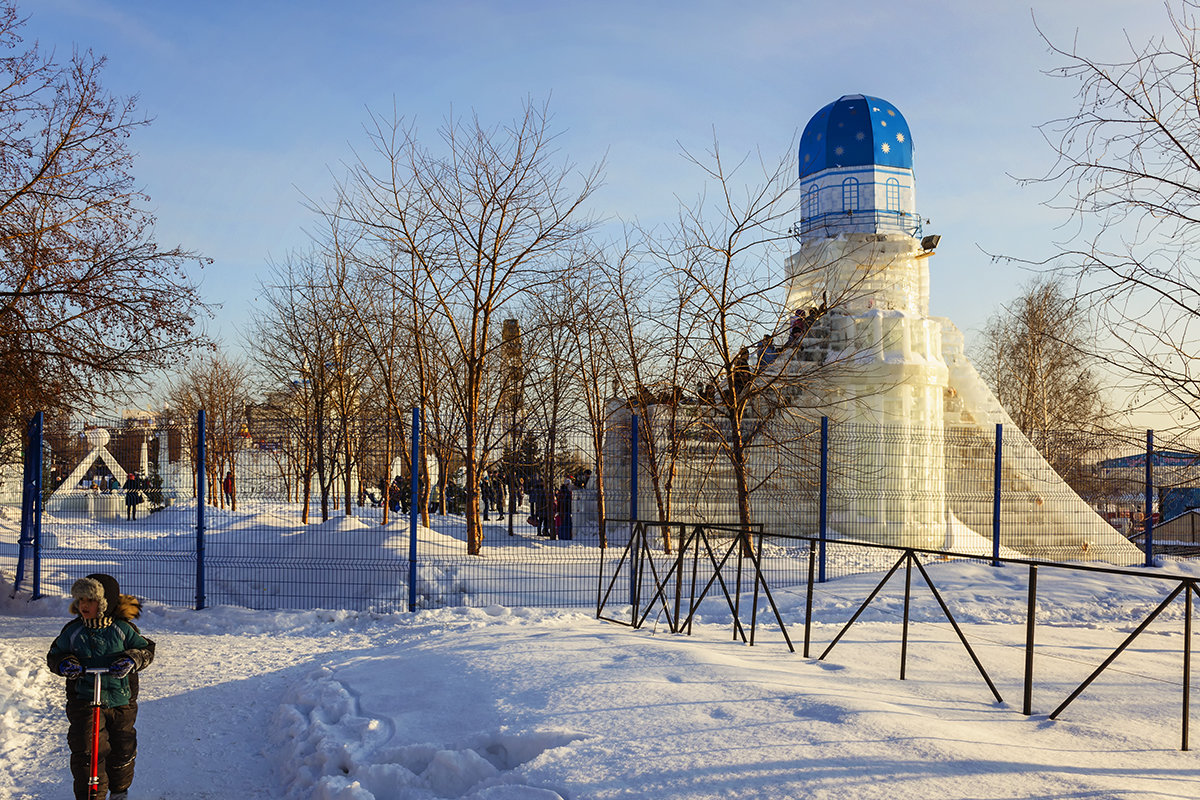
[(102, 635)]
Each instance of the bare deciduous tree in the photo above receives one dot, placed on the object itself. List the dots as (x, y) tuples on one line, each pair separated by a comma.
[(296, 350), (725, 253), (222, 387), (1036, 357), (645, 334), (89, 301), (588, 318), (483, 223), (1128, 168)]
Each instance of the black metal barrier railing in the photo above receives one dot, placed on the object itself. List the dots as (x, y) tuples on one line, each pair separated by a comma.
[(636, 557), (908, 559), (1185, 585), (696, 544)]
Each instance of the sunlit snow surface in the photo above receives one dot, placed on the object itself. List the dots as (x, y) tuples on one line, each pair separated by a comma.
[(521, 703)]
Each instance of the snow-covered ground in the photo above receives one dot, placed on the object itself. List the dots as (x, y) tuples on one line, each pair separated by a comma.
[(499, 703)]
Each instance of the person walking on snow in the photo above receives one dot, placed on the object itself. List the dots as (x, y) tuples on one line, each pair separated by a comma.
[(133, 496), (101, 635)]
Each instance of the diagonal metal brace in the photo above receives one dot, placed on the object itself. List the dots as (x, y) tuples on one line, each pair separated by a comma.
[(1128, 640)]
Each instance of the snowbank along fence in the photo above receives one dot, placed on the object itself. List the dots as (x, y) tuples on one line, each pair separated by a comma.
[(270, 512)]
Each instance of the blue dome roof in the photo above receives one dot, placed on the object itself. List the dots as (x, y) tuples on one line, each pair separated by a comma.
[(856, 130)]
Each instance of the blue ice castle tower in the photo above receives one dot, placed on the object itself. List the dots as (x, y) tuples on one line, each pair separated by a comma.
[(856, 170), (887, 365)]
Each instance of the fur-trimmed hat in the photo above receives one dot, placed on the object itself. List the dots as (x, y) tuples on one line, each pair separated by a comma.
[(87, 589), (120, 606)]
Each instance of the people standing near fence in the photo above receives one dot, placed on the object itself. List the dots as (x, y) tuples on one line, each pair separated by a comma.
[(101, 636), (537, 507), (498, 495), (133, 496), (487, 494), (395, 494), (564, 511), (227, 487), (520, 491)]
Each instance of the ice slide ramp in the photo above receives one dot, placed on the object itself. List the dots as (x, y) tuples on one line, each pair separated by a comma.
[(1040, 515)]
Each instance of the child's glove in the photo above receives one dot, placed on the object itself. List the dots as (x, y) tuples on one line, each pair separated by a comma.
[(121, 667), (70, 668)]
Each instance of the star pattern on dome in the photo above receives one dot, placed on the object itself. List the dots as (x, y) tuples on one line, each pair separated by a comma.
[(855, 131)]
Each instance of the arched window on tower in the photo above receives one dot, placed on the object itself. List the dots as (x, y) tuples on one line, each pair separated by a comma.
[(892, 194), (850, 194), (812, 202)]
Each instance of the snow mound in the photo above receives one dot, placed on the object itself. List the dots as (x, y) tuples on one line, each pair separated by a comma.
[(23, 695)]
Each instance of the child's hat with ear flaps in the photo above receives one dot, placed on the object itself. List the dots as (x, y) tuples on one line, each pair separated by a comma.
[(88, 589)]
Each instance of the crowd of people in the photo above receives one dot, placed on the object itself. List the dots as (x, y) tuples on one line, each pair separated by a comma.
[(765, 350), (549, 511), (137, 489)]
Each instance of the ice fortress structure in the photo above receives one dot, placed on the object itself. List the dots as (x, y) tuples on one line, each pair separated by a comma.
[(903, 374)]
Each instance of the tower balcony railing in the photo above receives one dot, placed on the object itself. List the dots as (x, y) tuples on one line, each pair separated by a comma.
[(833, 223)]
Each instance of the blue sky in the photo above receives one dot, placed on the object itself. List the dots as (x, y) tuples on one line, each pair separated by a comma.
[(257, 103)]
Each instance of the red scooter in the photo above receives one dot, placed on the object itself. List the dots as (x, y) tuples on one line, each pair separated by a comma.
[(94, 780)]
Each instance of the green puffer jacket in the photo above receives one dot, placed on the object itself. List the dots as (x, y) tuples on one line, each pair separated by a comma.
[(98, 643)]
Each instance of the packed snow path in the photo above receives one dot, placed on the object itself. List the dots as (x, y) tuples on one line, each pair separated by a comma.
[(204, 715), (499, 704)]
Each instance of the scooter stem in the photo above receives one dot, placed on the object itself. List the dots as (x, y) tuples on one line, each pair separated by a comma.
[(94, 780)]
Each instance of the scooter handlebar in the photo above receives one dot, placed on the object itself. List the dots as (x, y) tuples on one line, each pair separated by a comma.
[(96, 682)]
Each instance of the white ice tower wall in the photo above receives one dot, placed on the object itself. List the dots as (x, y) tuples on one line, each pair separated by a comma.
[(901, 374)]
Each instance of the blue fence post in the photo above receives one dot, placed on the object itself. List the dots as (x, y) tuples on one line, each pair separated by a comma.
[(415, 488), (201, 459), (1149, 538), (996, 494), (823, 518), (37, 505), (633, 507), (29, 541), (25, 539)]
